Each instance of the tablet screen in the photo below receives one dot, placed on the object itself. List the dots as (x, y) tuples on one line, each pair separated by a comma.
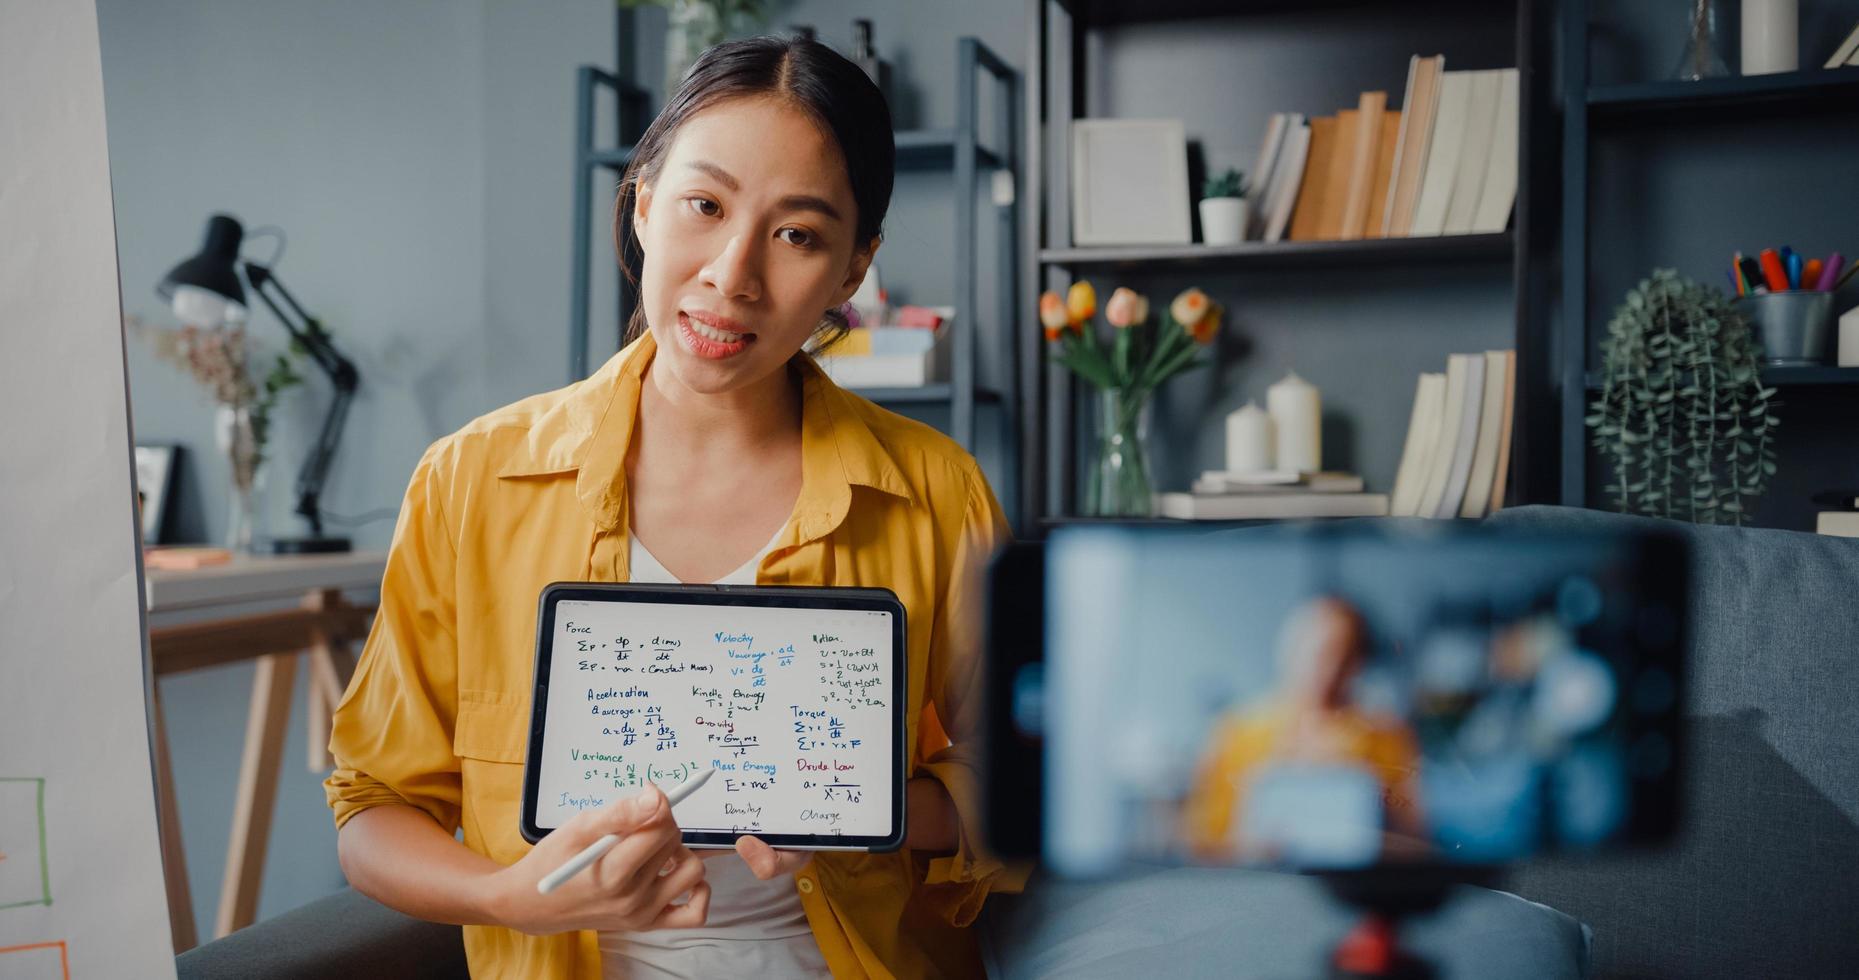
[(795, 704)]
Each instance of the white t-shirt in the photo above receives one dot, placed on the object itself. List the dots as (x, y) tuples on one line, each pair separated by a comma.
[(755, 928)]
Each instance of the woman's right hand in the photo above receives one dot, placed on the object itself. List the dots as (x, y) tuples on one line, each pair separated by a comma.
[(630, 888)]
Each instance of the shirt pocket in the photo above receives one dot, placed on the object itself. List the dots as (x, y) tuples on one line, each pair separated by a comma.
[(490, 740)]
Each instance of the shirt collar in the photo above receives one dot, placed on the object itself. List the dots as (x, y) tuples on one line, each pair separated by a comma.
[(590, 429)]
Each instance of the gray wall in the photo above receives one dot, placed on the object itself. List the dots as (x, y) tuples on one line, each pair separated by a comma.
[(418, 154)]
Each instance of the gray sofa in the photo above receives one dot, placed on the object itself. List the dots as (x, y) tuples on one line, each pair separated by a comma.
[(1764, 882)]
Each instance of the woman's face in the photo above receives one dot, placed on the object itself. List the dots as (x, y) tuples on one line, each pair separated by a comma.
[(748, 232)]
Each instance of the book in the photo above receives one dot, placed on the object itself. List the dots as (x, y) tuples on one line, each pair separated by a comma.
[(1265, 171), (1384, 170), (1417, 454), (1365, 152), (1288, 177), (1270, 506), (1500, 187), (1490, 432), (1305, 213), (1838, 523), (1418, 110), (1336, 185), (1846, 52), (183, 557), (1446, 435), (1443, 152), (1502, 476), (1218, 482), (1465, 444), (1468, 179)]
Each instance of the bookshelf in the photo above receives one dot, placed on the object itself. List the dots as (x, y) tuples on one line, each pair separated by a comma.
[(1267, 255), (1360, 318), (1656, 173), (960, 151), (1815, 90)]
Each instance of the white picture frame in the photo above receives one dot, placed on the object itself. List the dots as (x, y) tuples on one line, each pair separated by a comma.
[(154, 475), (1130, 182)]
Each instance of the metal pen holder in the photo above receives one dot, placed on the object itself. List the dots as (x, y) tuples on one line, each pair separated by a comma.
[(1791, 326)]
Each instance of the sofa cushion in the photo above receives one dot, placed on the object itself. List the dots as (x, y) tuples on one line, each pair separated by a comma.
[(1209, 922), (1764, 880), (345, 935)]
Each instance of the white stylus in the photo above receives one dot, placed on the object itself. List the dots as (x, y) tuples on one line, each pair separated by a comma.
[(592, 852)]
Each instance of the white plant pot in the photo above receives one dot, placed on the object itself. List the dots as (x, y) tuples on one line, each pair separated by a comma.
[(1223, 220)]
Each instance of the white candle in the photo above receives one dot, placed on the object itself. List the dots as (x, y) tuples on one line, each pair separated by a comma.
[(1297, 414), (1771, 33), (1249, 440)]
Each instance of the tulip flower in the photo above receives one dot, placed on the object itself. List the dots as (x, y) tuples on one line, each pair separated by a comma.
[(1189, 308), (1126, 308), (1052, 315), (1081, 303), (1203, 332)]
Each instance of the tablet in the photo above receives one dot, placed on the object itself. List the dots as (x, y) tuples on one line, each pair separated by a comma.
[(795, 696)]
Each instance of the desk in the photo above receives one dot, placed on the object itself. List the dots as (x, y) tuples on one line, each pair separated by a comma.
[(272, 610)]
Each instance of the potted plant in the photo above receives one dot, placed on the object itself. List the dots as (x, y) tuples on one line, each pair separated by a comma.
[(1223, 209), (1682, 416), (1126, 370)]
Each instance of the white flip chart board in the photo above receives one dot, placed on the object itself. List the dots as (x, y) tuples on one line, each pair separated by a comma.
[(795, 708), (81, 892)]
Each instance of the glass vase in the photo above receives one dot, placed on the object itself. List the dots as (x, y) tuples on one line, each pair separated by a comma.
[(1120, 485), (236, 434), (1703, 57)]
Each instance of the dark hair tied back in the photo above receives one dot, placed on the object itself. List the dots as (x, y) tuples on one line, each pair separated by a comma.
[(814, 78)]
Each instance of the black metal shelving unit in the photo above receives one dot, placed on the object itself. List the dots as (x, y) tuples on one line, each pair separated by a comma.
[(959, 150), (1593, 116)]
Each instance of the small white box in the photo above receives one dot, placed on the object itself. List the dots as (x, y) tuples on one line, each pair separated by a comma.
[(1849, 339)]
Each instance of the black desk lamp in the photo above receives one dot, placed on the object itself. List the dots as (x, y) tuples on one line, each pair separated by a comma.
[(206, 289)]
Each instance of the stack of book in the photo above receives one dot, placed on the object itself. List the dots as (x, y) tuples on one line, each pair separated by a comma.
[(1223, 496), (1456, 460), (1444, 163), (911, 353)]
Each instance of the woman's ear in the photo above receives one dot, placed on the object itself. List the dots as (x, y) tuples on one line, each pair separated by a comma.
[(642, 202), (855, 272)]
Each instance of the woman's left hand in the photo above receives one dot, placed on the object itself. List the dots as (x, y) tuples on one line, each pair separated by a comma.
[(931, 825), (767, 862)]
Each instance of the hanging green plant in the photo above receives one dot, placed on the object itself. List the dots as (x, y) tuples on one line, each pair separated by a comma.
[(1682, 416)]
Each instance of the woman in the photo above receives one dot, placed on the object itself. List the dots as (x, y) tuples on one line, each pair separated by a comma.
[(710, 449), (1311, 726)]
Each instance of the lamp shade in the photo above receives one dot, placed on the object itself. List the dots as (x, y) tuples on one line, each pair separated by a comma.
[(206, 289)]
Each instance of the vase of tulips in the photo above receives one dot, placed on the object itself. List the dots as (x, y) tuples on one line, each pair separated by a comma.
[(1126, 367)]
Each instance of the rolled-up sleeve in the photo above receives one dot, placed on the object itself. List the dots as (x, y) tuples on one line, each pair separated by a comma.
[(391, 737), (956, 885)]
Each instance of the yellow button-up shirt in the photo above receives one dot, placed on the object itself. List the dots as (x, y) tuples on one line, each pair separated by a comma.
[(536, 493)]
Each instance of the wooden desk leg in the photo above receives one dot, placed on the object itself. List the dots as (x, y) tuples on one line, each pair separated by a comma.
[(328, 678), (331, 666), (173, 858), (258, 791), (316, 713)]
